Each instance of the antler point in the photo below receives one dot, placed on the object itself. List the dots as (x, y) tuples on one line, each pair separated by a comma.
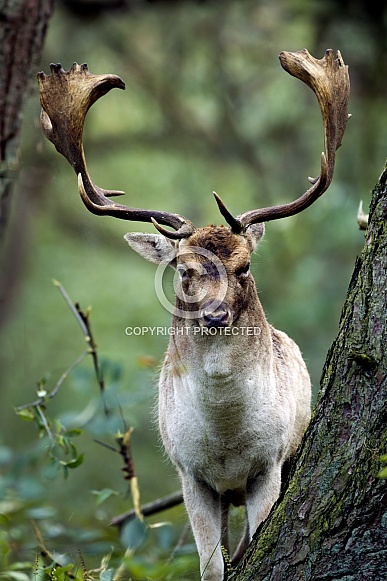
[(46, 123), (184, 231), (56, 68), (234, 223), (81, 187)]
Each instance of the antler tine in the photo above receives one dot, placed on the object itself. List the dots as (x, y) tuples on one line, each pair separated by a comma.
[(235, 224), (65, 97), (329, 80)]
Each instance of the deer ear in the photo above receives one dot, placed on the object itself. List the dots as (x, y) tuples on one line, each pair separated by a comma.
[(255, 233), (153, 247)]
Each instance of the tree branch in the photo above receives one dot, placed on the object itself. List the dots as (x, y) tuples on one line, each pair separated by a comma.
[(149, 509)]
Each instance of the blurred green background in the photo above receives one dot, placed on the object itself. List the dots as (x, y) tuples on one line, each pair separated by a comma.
[(206, 107)]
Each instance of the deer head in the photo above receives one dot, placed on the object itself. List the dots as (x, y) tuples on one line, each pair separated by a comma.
[(224, 254), (213, 284)]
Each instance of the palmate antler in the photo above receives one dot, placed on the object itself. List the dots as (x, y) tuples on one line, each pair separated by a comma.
[(329, 80), (67, 96)]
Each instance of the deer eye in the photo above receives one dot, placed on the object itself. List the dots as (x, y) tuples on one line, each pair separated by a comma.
[(243, 271), (183, 273)]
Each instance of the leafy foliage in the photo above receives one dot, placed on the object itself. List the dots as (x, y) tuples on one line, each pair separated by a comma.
[(59, 454)]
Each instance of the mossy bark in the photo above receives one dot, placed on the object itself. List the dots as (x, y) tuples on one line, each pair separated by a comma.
[(22, 30), (331, 521)]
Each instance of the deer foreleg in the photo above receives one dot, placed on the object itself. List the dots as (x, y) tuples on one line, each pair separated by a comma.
[(262, 493), (204, 511)]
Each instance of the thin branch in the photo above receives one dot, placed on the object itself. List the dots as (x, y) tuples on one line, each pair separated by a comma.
[(47, 427), (84, 323), (108, 446), (125, 451), (93, 346), (57, 386), (150, 508), (73, 309)]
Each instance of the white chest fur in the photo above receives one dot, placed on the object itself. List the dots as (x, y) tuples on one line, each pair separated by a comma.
[(219, 418)]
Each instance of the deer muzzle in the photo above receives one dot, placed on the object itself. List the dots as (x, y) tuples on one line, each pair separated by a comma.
[(216, 315)]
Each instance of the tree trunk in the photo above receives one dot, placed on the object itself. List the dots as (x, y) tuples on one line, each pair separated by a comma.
[(331, 521), (22, 29)]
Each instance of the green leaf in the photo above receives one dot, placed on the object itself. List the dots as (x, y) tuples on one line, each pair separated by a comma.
[(52, 469), (133, 534), (25, 413), (383, 473), (5, 548), (15, 575), (104, 494), (19, 566), (74, 463), (41, 512), (60, 573), (6, 455), (74, 432)]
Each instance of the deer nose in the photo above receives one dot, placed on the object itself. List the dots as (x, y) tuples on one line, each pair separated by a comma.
[(220, 316)]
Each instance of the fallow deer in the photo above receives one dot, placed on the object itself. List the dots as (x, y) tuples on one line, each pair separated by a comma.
[(233, 405)]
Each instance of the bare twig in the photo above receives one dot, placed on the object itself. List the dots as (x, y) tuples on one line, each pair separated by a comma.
[(46, 426), (125, 451), (92, 344), (150, 508), (57, 386), (72, 307), (84, 323)]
